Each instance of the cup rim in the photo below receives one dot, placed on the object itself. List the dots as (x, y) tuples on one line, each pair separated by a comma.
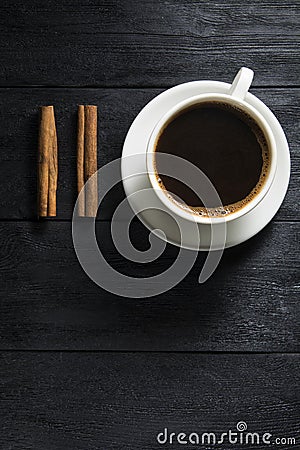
[(169, 116)]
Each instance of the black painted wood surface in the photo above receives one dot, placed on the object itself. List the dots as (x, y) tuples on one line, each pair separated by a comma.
[(122, 401), (251, 303), (117, 109), (115, 43), (82, 368)]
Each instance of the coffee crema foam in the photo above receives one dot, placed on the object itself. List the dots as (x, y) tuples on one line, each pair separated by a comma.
[(230, 208)]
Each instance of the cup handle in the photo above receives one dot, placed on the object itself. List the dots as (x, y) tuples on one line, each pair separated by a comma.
[(241, 83)]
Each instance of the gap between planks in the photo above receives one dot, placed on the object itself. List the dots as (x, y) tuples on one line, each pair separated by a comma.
[(50, 86), (57, 220), (159, 352)]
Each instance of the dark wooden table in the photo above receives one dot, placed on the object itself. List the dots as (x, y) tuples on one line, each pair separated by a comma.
[(82, 368)]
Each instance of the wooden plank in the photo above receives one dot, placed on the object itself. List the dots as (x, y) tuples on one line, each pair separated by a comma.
[(251, 303), (117, 109), (76, 401), (113, 43)]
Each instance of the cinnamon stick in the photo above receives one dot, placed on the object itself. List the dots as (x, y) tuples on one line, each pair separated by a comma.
[(87, 159), (80, 161), (53, 171), (47, 163)]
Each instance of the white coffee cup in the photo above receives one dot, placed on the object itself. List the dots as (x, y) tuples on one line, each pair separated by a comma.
[(237, 98)]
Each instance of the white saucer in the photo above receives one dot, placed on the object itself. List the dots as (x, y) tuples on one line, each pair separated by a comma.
[(135, 178)]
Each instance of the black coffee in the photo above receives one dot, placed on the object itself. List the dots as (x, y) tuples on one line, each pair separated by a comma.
[(226, 144)]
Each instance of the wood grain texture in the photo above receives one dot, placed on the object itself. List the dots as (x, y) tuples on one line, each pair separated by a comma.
[(113, 43), (251, 303), (76, 401), (117, 109)]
